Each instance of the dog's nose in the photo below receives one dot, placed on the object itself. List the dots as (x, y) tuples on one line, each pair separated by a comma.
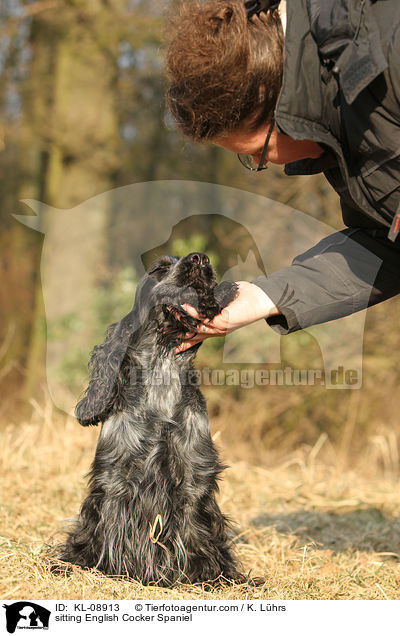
[(199, 259)]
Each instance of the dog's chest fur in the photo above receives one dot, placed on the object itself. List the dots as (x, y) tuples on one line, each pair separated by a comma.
[(164, 432)]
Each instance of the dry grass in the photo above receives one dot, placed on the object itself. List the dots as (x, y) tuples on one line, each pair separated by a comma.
[(311, 526)]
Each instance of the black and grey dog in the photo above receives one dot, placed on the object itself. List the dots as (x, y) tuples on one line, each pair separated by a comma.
[(151, 512)]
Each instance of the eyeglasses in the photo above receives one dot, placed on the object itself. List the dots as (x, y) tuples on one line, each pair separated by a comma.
[(249, 162)]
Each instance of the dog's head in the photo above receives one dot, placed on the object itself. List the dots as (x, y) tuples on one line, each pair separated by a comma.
[(189, 280), (194, 269), (157, 317)]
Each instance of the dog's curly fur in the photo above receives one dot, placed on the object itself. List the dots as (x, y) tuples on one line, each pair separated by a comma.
[(151, 512)]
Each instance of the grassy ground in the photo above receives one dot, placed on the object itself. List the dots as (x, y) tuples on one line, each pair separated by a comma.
[(312, 526)]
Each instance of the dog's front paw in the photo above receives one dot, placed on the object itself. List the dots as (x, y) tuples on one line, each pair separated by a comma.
[(225, 293), (189, 324)]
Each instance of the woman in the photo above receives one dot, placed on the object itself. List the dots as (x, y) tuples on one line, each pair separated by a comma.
[(323, 98)]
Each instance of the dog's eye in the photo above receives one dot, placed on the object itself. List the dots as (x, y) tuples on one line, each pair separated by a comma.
[(161, 267), (158, 273)]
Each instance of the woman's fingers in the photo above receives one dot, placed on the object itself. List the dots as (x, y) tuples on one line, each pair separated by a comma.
[(191, 339), (191, 311), (187, 344)]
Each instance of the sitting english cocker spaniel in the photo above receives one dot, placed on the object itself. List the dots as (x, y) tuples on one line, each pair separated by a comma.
[(150, 513)]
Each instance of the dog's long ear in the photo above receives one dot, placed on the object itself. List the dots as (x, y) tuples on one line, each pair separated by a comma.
[(109, 362)]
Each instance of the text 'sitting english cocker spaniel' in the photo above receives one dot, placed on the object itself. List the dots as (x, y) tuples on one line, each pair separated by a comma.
[(151, 512)]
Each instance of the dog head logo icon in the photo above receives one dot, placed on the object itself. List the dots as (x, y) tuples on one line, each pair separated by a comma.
[(26, 615)]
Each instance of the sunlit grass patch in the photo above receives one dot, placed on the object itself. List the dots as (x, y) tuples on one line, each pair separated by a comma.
[(309, 526)]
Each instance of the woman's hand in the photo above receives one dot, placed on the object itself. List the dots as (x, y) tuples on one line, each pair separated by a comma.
[(250, 304)]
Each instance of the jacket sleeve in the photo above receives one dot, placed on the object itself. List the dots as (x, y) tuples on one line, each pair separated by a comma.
[(341, 275)]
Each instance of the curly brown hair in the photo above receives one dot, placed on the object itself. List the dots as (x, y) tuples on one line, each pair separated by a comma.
[(223, 68)]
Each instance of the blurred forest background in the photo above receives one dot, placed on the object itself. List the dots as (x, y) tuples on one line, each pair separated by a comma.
[(82, 112)]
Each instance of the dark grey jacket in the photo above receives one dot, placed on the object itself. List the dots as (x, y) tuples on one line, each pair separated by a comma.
[(341, 88)]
